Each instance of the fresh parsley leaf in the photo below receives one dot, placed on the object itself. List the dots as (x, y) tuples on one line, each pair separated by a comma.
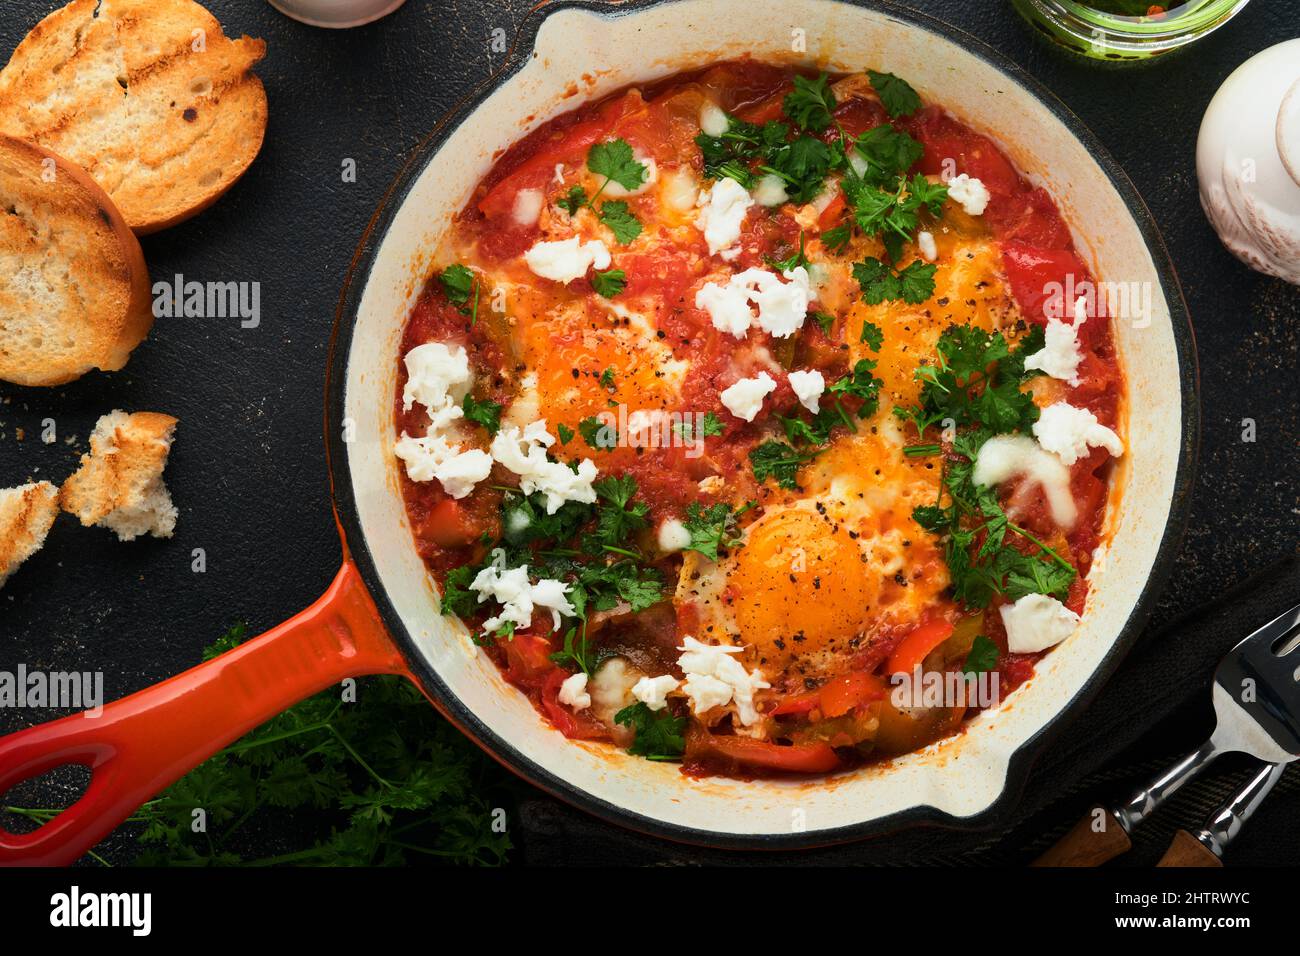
[(897, 96), (621, 222), (888, 152), (658, 735), (613, 159), (486, 413), (982, 656), (565, 433), (872, 336), (577, 652), (777, 460), (860, 384), (573, 200), (710, 425), (597, 434), (607, 378), (802, 165), (457, 283), (713, 527), (881, 282), (793, 261), (609, 283), (825, 321), (811, 103), (838, 237), (618, 517)]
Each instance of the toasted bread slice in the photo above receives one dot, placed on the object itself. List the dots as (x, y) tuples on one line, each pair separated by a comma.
[(74, 289), (148, 95), (119, 484), (26, 514)]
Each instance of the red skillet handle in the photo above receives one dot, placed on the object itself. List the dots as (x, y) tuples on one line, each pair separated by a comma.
[(142, 743)]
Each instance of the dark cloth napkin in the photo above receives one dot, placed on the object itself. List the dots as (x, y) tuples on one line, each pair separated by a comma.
[(1154, 709)]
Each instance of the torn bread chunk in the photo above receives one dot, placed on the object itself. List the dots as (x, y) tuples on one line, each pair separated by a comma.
[(119, 484), (26, 514)]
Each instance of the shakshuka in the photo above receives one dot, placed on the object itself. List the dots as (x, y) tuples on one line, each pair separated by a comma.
[(760, 420)]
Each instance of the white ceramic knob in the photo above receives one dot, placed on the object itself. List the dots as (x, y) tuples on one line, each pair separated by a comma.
[(1248, 161), (336, 13)]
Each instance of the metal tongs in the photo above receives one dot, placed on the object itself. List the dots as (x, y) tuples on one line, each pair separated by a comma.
[(1257, 703)]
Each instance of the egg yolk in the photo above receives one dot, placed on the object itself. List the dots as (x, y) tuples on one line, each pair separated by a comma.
[(801, 588)]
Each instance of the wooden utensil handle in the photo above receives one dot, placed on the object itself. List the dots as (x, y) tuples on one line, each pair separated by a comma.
[(1186, 850), (1092, 841)]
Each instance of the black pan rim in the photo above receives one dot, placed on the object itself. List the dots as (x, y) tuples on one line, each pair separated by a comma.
[(1001, 810)]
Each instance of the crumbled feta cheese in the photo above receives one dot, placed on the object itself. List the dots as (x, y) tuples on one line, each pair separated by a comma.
[(517, 596), (1060, 355), (524, 453), (782, 306), (722, 214), (713, 121), (925, 242), (434, 457), (970, 193), (715, 678), (1068, 432), (619, 191), (573, 692), (567, 259), (706, 692), (1036, 622), (528, 207), (654, 691), (673, 535), (745, 397), (435, 374), (1004, 456), (808, 388), (770, 191)]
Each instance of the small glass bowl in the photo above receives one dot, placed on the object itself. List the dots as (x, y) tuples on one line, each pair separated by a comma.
[(1104, 34)]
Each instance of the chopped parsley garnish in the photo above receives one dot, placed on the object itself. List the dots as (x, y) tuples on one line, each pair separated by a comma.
[(897, 95), (486, 413), (975, 381), (713, 527), (888, 153), (793, 261), (577, 652), (609, 283), (777, 460), (658, 735), (621, 222), (881, 282), (837, 237), (982, 656), (860, 384), (825, 321), (872, 336), (710, 425), (459, 285), (573, 200), (565, 433), (597, 434), (613, 159), (977, 536), (811, 103), (607, 378), (618, 516)]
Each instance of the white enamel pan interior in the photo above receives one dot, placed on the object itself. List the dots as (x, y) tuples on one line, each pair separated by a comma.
[(596, 49)]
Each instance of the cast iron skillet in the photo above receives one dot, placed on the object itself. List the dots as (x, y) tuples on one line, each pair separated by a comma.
[(144, 742)]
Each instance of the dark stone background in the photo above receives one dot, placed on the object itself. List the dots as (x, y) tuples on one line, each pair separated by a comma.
[(248, 469)]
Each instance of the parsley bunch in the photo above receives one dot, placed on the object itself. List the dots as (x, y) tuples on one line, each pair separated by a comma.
[(379, 781)]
